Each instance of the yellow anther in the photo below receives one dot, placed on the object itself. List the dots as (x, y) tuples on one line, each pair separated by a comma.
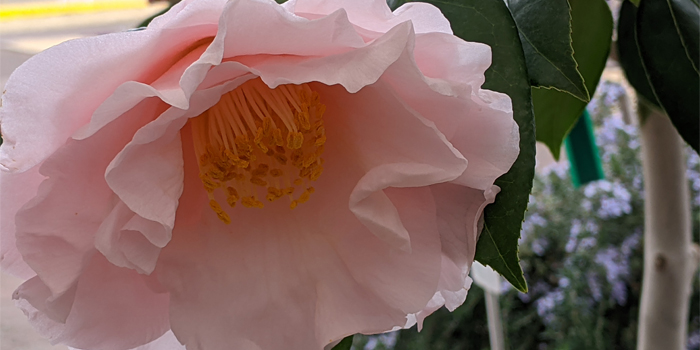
[(320, 141), (251, 128), (311, 189), (309, 160), (273, 193), (252, 202), (304, 120), (260, 171), (293, 204), (259, 140), (267, 127), (281, 158), (277, 135), (258, 181), (219, 212), (209, 184), (216, 174), (231, 192), (304, 197), (316, 173), (288, 191), (295, 140), (297, 158)]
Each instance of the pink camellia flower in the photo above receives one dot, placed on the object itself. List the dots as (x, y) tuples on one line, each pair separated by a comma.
[(247, 175)]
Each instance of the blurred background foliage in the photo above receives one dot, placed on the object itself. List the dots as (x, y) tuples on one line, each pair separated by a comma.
[(582, 254)]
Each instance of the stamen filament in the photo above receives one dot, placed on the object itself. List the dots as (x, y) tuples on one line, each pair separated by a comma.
[(241, 150)]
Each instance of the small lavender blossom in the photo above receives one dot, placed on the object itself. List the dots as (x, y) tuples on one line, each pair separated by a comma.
[(594, 286), (694, 341), (571, 244), (560, 169), (633, 144), (586, 243), (612, 208), (637, 182), (619, 292), (539, 246), (630, 243), (615, 265), (506, 286), (586, 205), (548, 302), (532, 221)]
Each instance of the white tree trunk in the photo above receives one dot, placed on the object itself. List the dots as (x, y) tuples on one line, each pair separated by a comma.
[(670, 257)]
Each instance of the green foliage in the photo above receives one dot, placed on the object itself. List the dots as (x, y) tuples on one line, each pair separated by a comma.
[(556, 112), (628, 53), (490, 22), (344, 344), (667, 37), (545, 32)]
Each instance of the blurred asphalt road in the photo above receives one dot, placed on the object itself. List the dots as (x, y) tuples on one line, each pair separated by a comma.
[(19, 40)]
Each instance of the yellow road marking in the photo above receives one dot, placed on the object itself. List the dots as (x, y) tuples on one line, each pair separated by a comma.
[(11, 12)]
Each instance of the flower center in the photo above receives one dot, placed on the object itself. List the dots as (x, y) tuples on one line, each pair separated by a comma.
[(258, 142)]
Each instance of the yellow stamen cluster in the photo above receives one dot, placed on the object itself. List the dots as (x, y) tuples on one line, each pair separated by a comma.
[(259, 142)]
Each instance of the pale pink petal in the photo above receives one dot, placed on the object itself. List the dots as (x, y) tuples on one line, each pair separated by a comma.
[(15, 191), (68, 92), (311, 273), (109, 308), (253, 27), (317, 261), (459, 211), (479, 123), (56, 229), (450, 58), (375, 15), (126, 239), (396, 147), (190, 13), (147, 174), (171, 87), (353, 70)]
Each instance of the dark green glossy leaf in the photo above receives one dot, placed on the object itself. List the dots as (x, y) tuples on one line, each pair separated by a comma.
[(628, 52), (490, 22), (344, 344), (545, 32), (591, 32), (665, 55), (686, 17)]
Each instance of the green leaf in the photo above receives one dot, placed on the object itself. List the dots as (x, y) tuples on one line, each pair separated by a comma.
[(490, 22), (628, 53), (344, 344), (591, 32), (666, 30), (545, 32)]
